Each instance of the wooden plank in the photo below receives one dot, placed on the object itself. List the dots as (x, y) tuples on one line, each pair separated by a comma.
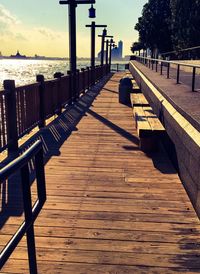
[(110, 207), (138, 99)]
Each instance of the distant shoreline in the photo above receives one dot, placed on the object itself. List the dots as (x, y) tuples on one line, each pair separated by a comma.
[(51, 58)]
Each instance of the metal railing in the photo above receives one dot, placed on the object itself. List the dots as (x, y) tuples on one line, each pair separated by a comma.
[(159, 65), (30, 213), (119, 67), (25, 107)]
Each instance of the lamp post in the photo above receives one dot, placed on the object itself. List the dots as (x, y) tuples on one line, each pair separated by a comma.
[(93, 27), (107, 48), (102, 45), (111, 44), (72, 34)]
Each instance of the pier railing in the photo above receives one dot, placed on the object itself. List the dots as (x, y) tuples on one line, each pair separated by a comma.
[(164, 66), (119, 67), (21, 165), (25, 107)]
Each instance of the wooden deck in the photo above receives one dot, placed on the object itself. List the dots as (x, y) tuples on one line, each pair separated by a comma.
[(111, 208)]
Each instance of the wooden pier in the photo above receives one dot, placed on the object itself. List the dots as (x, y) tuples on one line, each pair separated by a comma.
[(110, 207)]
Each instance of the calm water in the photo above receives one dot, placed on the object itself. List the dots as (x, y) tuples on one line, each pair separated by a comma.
[(25, 71)]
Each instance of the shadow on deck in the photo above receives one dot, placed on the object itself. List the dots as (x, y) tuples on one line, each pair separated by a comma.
[(110, 207)]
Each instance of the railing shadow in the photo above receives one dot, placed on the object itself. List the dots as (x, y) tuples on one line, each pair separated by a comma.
[(52, 137), (189, 246), (114, 127), (110, 90)]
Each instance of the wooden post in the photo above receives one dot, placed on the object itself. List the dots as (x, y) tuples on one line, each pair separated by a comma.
[(70, 86), (77, 84), (83, 78), (88, 69), (40, 80), (58, 76), (12, 134)]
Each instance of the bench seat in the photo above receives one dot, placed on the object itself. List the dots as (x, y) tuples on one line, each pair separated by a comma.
[(136, 88), (138, 99), (149, 128)]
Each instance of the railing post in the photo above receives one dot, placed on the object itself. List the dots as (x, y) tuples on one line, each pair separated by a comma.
[(58, 76), (168, 68), (12, 134), (70, 86), (77, 84), (193, 78), (156, 66), (117, 67), (88, 70), (161, 68), (152, 62), (40, 80), (178, 74), (83, 78), (28, 218)]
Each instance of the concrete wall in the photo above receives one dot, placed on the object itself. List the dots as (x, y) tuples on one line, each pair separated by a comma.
[(184, 136)]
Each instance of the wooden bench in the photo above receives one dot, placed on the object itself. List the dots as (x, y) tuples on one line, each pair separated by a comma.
[(149, 128), (138, 100), (136, 88)]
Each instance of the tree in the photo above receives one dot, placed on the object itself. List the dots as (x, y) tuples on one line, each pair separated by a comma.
[(137, 46), (185, 23), (154, 25)]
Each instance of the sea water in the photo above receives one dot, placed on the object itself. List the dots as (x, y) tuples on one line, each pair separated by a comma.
[(25, 71)]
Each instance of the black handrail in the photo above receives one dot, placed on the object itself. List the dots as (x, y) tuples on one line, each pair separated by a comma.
[(150, 61), (22, 163), (119, 67)]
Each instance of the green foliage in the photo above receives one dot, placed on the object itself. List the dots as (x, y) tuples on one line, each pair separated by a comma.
[(137, 46), (169, 24), (153, 25), (185, 23)]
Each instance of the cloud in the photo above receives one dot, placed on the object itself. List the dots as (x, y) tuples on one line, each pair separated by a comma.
[(48, 33), (6, 17), (20, 37), (15, 34)]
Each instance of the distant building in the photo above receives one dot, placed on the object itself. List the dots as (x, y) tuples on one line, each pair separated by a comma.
[(117, 53), (18, 56)]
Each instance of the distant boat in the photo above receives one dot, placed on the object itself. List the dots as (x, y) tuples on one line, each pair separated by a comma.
[(18, 56)]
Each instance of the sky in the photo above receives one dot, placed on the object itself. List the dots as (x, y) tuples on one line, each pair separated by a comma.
[(41, 26)]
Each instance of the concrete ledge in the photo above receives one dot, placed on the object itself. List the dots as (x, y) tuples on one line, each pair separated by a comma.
[(184, 135)]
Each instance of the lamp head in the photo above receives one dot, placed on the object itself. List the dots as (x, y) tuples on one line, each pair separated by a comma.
[(92, 12), (104, 32)]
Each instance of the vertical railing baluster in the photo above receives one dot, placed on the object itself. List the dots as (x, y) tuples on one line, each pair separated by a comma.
[(178, 74), (28, 219), (161, 68), (168, 68), (11, 111), (156, 66), (70, 87), (193, 78), (83, 79), (58, 76), (40, 80)]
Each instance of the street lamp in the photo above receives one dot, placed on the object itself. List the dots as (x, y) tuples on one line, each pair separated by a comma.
[(112, 43), (104, 35), (92, 12), (93, 26), (72, 33)]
